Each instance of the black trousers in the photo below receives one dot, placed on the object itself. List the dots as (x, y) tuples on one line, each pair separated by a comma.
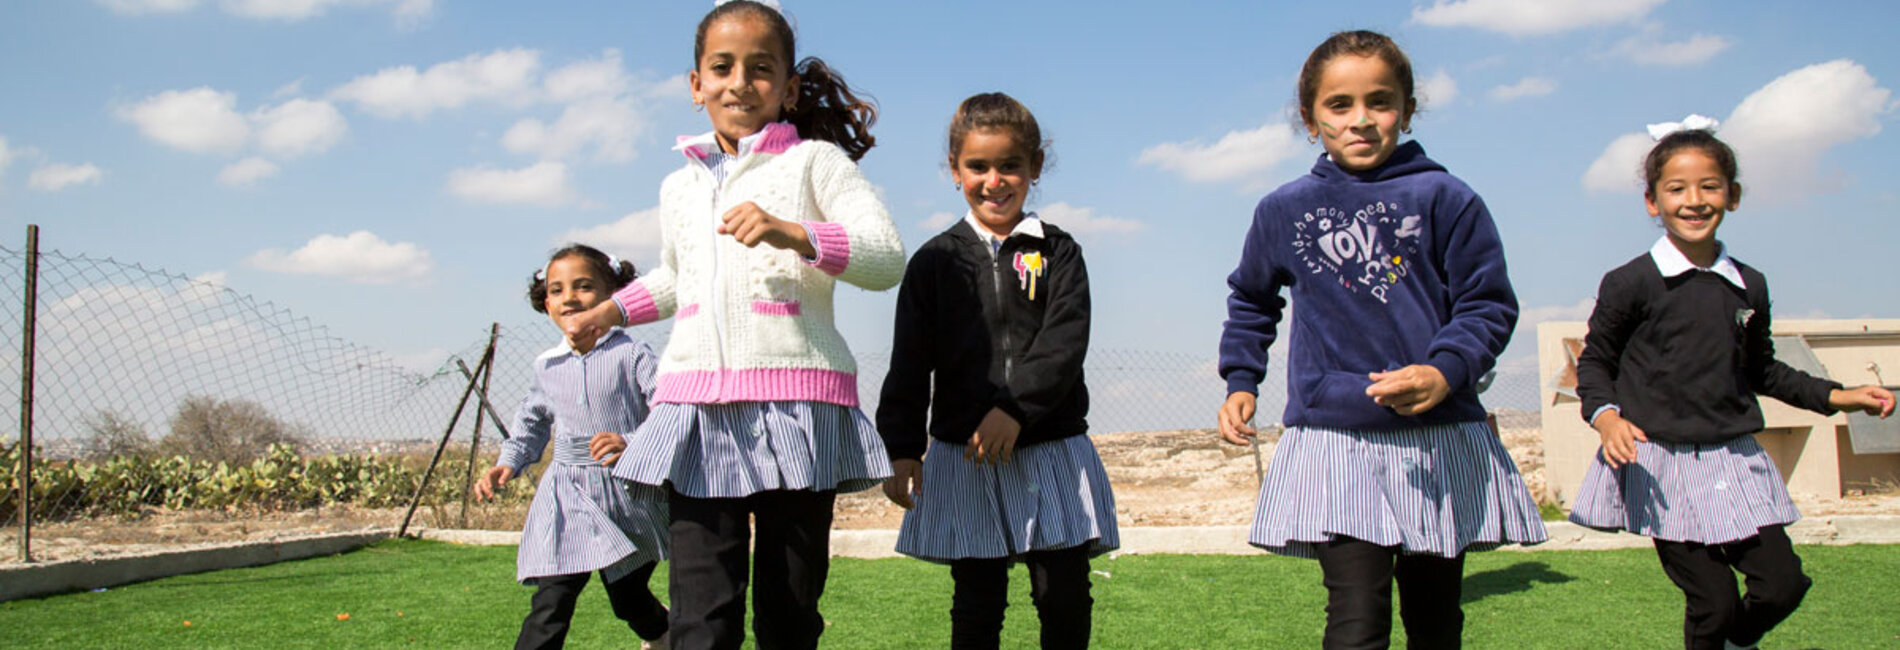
[(1716, 611), (790, 559), (552, 607), (1058, 584), (1359, 576)]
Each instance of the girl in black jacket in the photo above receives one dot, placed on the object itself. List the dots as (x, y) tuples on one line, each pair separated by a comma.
[(992, 327)]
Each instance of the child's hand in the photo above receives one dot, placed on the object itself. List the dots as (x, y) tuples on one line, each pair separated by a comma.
[(606, 447), (490, 482), (1619, 438), (752, 226), (1872, 400), (995, 438), (907, 478), (1234, 416), (591, 324), (1411, 390)]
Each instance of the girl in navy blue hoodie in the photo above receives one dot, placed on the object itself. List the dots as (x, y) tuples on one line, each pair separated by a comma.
[(992, 328), (1387, 471)]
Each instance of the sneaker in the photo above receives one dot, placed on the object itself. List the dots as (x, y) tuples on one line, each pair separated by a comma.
[(665, 642)]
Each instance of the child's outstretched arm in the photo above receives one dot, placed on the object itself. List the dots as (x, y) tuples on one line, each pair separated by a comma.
[(1612, 321), (904, 403), (1767, 375), (1254, 308), (1872, 400), (1470, 256), (534, 424), (856, 243)]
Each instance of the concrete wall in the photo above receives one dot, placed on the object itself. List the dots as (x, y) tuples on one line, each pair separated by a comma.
[(1811, 450)]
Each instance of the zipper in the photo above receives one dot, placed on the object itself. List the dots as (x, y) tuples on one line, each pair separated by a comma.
[(718, 307), (1002, 323)]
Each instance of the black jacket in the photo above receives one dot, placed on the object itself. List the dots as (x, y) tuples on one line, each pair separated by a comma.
[(1683, 357), (976, 332)]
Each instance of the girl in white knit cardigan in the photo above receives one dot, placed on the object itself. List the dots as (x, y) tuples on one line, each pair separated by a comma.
[(756, 410)]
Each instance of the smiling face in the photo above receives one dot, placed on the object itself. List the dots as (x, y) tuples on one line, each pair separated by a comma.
[(574, 286), (1358, 111), (995, 172), (1690, 197), (742, 78)]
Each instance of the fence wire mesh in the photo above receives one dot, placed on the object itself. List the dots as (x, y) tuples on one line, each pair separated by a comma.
[(172, 410)]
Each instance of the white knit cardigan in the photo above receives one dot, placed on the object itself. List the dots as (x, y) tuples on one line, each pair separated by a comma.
[(755, 324)]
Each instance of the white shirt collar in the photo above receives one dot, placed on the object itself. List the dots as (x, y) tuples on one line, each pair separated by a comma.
[(1031, 225), (707, 144), (1672, 262), (563, 349)]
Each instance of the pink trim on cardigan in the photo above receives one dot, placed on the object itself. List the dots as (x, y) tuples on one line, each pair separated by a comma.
[(833, 245), (758, 385), (636, 304), (775, 307), (688, 311), (779, 136)]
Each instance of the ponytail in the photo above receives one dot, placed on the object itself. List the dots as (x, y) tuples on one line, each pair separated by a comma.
[(828, 110)]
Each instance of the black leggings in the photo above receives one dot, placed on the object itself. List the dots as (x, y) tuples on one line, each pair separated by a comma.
[(1358, 577), (1058, 584), (552, 607), (791, 557), (1716, 611)]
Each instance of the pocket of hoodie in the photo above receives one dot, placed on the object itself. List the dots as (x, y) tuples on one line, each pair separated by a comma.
[(1336, 389)]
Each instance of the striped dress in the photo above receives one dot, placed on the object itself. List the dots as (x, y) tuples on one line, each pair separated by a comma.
[(1436, 490), (1686, 492), (1049, 496), (582, 519)]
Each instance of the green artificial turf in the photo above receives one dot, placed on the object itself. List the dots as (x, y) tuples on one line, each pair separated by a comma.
[(428, 594)]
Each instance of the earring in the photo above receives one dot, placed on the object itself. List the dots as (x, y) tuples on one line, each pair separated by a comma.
[(699, 107), (1312, 139), (1407, 129), (959, 185), (1034, 182)]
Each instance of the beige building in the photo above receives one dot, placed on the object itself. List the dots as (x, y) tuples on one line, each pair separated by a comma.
[(1821, 456)]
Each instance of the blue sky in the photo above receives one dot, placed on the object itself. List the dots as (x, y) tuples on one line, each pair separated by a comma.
[(395, 169)]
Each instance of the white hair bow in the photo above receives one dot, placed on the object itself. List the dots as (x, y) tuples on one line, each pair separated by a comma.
[(613, 262), (1691, 123), (769, 4)]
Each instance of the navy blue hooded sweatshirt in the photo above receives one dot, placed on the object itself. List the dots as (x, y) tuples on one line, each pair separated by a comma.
[(1396, 266)]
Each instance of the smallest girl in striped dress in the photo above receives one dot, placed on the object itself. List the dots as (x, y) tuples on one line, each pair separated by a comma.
[(1678, 348), (589, 397), (992, 328)]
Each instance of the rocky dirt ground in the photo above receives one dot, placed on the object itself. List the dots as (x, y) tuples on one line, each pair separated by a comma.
[(1166, 478)]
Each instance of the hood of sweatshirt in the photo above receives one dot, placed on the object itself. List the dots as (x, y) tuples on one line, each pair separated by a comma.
[(1407, 160)]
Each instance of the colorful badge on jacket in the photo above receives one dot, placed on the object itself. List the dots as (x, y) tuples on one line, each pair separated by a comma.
[(1028, 269)]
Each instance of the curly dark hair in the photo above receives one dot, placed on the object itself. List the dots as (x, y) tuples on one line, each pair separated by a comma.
[(613, 276)]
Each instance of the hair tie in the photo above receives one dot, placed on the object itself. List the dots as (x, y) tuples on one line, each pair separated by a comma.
[(1691, 123), (613, 263), (768, 4), (540, 275)]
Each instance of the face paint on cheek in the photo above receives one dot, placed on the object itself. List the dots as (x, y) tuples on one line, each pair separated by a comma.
[(1330, 130)]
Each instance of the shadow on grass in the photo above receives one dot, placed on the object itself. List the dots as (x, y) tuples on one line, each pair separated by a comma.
[(1509, 580)]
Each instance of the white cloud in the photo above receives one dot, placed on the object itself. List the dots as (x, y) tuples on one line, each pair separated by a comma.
[(1526, 87), (1437, 91), (6, 156), (939, 221), (1781, 131), (588, 79), (136, 7), (298, 127), (544, 183), (359, 257), (635, 236), (1239, 155), (607, 125), (1083, 221), (246, 172), (1619, 167), (58, 176), (295, 10), (1646, 50), (200, 120), (502, 77), (1520, 18)]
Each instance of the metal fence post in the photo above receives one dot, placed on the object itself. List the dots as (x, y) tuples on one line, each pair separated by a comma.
[(26, 391), (488, 357), (475, 441)]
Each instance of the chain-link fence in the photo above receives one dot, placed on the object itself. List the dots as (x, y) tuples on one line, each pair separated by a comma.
[(171, 410)]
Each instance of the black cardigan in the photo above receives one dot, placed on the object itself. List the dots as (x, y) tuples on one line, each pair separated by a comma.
[(970, 337), (1684, 356)]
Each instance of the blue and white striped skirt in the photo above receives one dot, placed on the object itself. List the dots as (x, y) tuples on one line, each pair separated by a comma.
[(583, 520), (1049, 496), (1438, 490), (1684, 492), (736, 449)]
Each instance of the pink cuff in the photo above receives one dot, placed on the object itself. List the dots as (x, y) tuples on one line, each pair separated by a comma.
[(832, 244), (636, 304)]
